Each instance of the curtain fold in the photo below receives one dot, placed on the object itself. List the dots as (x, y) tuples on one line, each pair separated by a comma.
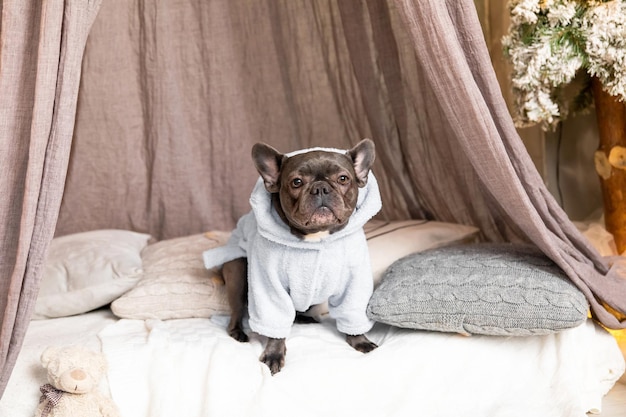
[(42, 45)]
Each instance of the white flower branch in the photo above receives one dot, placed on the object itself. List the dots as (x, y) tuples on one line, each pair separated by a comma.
[(551, 43)]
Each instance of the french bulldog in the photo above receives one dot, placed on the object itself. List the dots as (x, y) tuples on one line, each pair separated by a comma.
[(315, 195)]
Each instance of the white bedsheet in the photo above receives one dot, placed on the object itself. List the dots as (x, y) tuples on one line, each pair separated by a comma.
[(192, 368)]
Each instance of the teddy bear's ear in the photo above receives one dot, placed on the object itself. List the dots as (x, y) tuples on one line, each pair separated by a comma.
[(48, 355)]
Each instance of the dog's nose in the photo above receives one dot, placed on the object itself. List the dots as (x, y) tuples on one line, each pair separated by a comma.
[(320, 188)]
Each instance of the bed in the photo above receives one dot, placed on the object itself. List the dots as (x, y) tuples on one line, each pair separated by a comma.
[(191, 367), (176, 358)]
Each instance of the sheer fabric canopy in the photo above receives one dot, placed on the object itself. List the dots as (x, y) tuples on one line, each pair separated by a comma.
[(174, 94), (41, 47)]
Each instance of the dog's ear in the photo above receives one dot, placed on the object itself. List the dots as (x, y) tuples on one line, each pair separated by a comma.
[(362, 156), (268, 162)]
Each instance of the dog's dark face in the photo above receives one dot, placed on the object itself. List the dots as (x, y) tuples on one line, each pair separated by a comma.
[(314, 191)]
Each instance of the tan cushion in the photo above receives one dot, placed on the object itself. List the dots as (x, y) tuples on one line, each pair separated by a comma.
[(175, 283)]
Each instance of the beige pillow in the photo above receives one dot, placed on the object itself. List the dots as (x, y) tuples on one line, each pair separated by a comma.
[(390, 241), (85, 271), (175, 283)]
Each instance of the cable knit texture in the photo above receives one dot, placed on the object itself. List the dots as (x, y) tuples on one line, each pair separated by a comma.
[(492, 289)]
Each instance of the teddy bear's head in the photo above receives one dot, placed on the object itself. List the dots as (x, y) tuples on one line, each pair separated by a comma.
[(73, 369)]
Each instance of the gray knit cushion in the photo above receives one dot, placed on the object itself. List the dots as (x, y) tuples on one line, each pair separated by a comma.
[(493, 289)]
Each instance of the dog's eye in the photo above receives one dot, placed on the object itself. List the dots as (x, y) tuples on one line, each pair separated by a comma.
[(296, 182), (343, 179)]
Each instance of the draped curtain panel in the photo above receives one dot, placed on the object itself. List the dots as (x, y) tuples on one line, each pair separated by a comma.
[(174, 94), (42, 43), (167, 118)]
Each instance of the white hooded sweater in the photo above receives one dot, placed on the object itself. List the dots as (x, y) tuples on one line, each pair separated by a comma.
[(288, 274)]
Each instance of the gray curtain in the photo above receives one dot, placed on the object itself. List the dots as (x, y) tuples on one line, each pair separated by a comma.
[(42, 43), (174, 94)]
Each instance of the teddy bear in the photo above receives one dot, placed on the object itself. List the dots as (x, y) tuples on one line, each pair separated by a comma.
[(74, 373)]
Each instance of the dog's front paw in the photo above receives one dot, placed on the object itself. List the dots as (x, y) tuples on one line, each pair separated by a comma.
[(361, 343), (274, 355), (274, 361), (238, 334)]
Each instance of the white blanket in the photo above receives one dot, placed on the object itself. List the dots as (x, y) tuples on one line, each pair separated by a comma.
[(192, 368)]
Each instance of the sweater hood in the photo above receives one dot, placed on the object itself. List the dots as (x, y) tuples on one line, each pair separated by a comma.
[(273, 228)]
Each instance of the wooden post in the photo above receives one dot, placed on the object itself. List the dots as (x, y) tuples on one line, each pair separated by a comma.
[(610, 161)]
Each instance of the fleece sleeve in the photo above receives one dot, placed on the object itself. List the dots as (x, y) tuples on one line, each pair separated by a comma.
[(270, 306), (349, 307)]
